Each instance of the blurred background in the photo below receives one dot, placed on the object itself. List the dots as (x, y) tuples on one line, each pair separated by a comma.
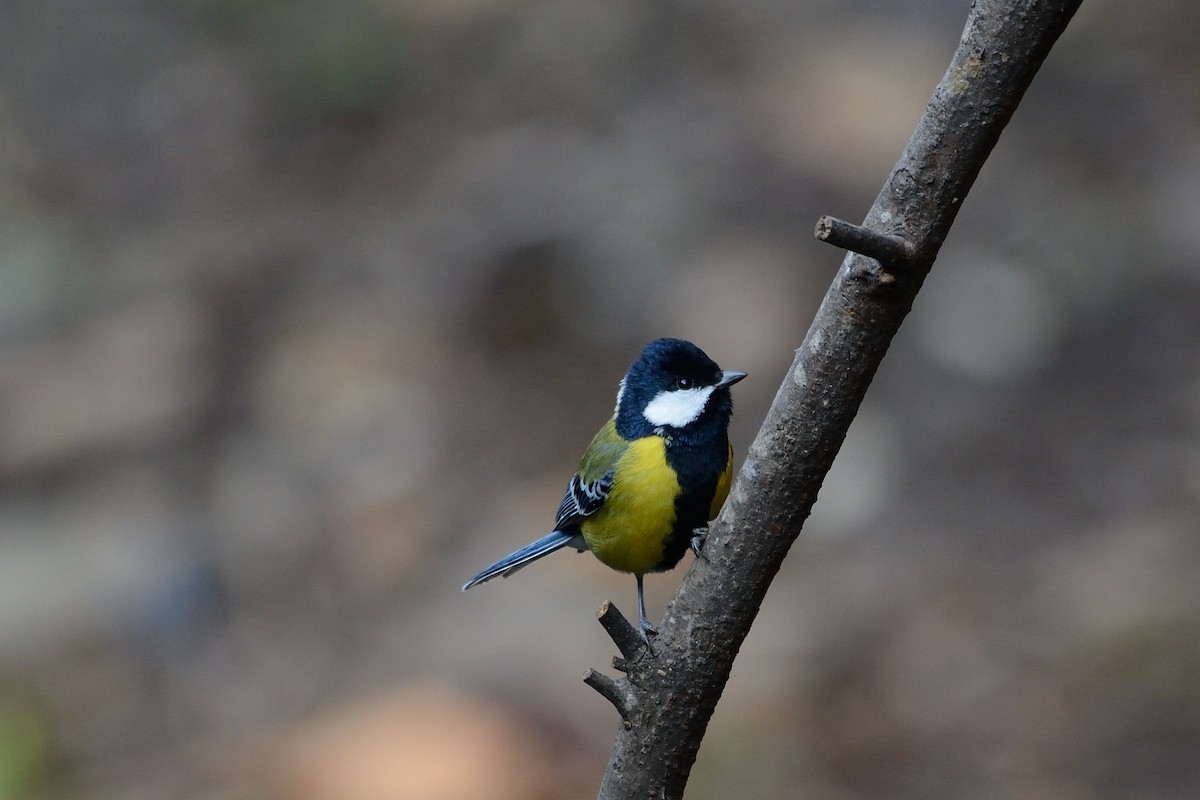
[(308, 308)]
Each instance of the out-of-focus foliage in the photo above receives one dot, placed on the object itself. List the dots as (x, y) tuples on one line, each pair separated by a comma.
[(308, 308), (319, 57), (25, 753)]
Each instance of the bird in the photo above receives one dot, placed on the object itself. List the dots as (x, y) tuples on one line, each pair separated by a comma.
[(653, 476)]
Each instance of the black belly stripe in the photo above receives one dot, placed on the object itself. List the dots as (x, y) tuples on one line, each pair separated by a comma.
[(698, 468)]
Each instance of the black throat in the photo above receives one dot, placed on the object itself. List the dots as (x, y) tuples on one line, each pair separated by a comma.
[(699, 454)]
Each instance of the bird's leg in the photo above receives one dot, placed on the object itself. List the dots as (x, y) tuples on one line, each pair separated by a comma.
[(698, 537), (644, 627)]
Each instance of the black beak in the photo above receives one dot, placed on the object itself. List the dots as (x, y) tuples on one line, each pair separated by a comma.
[(729, 377)]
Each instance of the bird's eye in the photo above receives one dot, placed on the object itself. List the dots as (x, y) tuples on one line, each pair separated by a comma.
[(684, 383)]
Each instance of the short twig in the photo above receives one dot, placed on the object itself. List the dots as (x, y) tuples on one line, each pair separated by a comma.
[(617, 692), (626, 637), (885, 248)]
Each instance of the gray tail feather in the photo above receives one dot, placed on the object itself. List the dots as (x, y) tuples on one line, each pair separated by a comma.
[(530, 552)]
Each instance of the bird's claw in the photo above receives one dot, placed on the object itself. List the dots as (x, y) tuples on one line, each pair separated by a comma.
[(698, 537), (646, 630)]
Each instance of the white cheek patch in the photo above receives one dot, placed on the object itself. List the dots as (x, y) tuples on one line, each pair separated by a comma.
[(677, 408)]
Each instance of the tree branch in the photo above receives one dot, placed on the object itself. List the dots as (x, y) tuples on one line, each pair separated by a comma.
[(676, 690)]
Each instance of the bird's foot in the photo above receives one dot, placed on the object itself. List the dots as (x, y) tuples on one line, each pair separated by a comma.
[(646, 630), (698, 537)]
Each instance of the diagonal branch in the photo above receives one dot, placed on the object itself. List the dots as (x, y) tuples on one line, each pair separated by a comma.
[(676, 690)]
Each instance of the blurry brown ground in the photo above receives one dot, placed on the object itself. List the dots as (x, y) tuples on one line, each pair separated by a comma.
[(307, 309)]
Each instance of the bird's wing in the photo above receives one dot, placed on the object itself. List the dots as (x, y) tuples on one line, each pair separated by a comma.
[(583, 498), (590, 486)]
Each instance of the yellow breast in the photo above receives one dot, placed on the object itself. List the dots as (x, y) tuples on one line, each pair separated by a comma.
[(723, 483), (628, 533)]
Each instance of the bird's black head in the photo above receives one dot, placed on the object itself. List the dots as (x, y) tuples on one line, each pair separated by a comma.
[(674, 388)]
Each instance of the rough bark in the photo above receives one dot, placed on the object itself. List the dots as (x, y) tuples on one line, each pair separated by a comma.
[(666, 699)]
